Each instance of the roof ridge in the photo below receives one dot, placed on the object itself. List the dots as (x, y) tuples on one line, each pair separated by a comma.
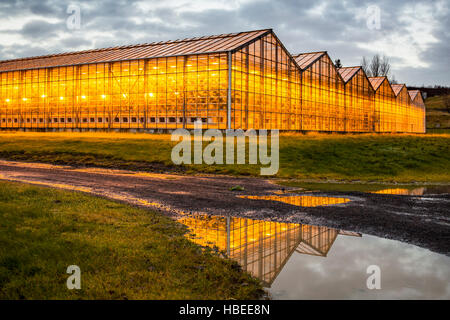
[(350, 67), (312, 52), (139, 45)]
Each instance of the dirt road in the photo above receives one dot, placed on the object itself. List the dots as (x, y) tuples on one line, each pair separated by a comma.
[(420, 220)]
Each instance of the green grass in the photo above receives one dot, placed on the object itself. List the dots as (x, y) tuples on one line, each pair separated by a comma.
[(437, 116), (123, 252), (370, 157), (435, 103), (438, 131), (399, 158)]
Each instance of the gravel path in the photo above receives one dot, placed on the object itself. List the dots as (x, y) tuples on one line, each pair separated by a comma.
[(420, 220)]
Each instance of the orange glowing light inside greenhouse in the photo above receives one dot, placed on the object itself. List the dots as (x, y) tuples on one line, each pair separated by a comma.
[(245, 80)]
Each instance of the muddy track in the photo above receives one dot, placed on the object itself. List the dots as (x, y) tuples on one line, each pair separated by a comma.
[(420, 220)]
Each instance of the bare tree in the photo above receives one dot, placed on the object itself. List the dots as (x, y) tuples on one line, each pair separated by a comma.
[(364, 66), (338, 63), (377, 67), (385, 66)]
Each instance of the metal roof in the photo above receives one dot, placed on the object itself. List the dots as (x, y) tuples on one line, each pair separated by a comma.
[(413, 93), (189, 46), (347, 73), (376, 82), (304, 60), (397, 88)]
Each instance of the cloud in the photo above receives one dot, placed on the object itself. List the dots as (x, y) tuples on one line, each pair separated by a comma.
[(38, 29), (413, 34)]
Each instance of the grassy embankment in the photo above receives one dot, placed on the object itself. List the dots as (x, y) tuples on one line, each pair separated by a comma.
[(437, 116), (123, 252), (398, 158)]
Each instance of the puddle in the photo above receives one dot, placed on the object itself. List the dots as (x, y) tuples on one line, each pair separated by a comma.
[(297, 261), (302, 201), (415, 192), (372, 188)]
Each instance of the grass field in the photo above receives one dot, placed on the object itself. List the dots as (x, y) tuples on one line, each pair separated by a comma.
[(399, 158), (437, 116), (123, 252)]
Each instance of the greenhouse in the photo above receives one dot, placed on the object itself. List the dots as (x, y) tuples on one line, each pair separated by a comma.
[(245, 80), (384, 116), (417, 111), (323, 103), (359, 100)]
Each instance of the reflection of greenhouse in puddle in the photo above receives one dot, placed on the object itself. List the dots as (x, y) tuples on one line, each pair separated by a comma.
[(261, 247), (302, 201), (401, 191), (415, 192)]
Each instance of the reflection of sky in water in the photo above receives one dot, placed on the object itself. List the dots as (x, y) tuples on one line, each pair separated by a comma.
[(407, 272), (298, 261)]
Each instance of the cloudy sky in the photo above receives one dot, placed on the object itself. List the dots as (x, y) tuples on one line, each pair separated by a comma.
[(414, 34)]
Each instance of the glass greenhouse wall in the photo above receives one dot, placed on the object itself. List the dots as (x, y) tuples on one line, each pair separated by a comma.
[(265, 87), (238, 81), (322, 99), (403, 110), (359, 100), (159, 93), (417, 115), (384, 105)]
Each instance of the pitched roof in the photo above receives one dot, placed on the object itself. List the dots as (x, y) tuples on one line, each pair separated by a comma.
[(198, 45), (397, 88), (376, 82), (304, 60), (413, 93), (347, 73)]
